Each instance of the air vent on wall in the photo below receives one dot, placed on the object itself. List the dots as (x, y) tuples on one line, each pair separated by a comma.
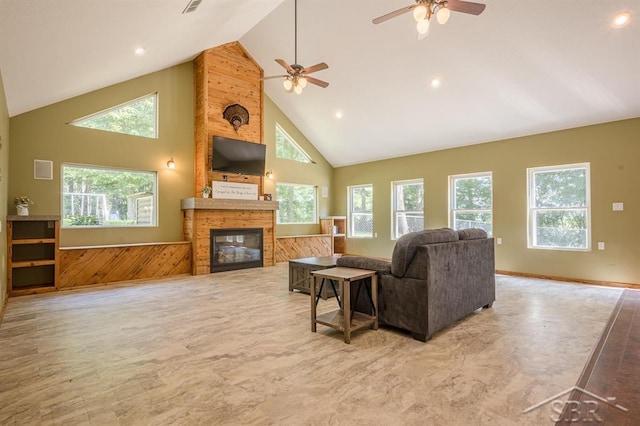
[(191, 6), (43, 169)]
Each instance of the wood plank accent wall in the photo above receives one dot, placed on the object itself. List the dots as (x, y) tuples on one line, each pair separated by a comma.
[(226, 75), (198, 223), (81, 266), (296, 247)]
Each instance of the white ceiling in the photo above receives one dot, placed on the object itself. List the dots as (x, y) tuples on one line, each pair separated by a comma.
[(55, 50), (522, 67)]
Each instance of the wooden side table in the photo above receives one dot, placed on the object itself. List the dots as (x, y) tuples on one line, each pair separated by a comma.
[(345, 319)]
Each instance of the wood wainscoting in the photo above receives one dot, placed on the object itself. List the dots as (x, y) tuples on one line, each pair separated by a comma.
[(299, 246), (82, 266)]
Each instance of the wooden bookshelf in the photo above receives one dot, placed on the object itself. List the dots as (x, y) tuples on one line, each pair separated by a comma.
[(336, 226), (32, 254)]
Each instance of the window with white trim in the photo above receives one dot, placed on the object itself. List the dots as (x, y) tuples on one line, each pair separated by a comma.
[(471, 201), (287, 148), (407, 207), (360, 211), (298, 203), (95, 196), (138, 117), (559, 207)]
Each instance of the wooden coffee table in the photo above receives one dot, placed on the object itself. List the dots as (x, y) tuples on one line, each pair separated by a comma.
[(300, 273), (345, 319)]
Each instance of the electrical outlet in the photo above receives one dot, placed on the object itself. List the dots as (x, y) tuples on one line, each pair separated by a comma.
[(618, 207), (375, 235), (498, 241), (600, 245)]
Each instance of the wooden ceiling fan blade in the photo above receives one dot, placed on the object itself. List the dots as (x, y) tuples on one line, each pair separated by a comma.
[(274, 76), (317, 67), (317, 82), (285, 65), (466, 7), (393, 14)]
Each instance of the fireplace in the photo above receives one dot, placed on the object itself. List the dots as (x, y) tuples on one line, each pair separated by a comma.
[(236, 249)]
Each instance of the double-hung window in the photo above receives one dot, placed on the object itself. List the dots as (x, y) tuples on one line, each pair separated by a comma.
[(361, 211), (559, 207), (471, 201), (408, 206), (298, 203)]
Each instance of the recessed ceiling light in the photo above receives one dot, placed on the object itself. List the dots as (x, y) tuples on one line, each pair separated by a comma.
[(621, 19), (140, 51), (436, 82), (338, 114)]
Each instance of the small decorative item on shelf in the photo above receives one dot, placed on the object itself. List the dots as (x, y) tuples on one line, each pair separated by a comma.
[(22, 205), (206, 192), (267, 197)]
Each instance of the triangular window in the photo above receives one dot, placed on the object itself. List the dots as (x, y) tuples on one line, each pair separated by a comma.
[(138, 117), (288, 149)]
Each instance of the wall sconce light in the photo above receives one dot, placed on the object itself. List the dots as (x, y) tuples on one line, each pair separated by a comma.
[(171, 164), (269, 174)]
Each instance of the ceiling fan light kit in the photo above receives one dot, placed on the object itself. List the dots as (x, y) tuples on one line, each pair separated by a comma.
[(423, 26), (442, 15), (423, 10)]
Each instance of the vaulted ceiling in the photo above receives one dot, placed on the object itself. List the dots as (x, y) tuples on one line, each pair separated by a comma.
[(520, 68)]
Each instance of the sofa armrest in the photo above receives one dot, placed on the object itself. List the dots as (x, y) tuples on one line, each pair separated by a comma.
[(381, 266)]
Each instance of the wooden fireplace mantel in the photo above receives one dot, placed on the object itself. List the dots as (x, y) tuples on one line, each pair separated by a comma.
[(201, 215), (225, 204)]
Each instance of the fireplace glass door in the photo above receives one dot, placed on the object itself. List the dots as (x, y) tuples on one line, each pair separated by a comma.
[(236, 249)]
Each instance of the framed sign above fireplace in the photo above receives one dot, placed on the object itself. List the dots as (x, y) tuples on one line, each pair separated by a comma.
[(234, 191)]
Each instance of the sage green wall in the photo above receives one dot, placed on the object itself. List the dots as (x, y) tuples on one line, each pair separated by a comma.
[(613, 149), (45, 135), (288, 171), (4, 167)]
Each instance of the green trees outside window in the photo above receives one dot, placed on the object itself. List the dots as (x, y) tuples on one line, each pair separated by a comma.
[(472, 201), (408, 207), (93, 196), (559, 207), (288, 149), (137, 117), (361, 211), (297, 203)]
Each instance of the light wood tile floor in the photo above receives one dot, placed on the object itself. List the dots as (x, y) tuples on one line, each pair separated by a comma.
[(235, 348)]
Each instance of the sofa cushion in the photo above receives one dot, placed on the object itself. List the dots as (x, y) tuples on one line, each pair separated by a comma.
[(406, 246), (472, 234), (381, 266)]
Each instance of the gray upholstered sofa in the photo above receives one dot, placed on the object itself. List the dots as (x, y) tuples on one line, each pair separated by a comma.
[(435, 277)]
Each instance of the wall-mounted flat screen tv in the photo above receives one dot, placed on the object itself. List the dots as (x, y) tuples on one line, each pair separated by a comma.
[(240, 157)]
